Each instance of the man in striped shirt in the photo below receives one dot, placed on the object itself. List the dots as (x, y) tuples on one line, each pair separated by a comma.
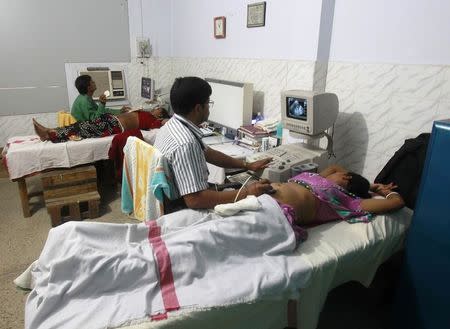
[(179, 140)]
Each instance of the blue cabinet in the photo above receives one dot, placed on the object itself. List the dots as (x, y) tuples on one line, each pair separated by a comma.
[(423, 293)]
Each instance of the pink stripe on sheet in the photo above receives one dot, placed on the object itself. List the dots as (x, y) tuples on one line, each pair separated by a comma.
[(168, 292), (19, 141)]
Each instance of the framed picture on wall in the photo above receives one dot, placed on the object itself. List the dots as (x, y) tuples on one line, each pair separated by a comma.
[(256, 14), (219, 27)]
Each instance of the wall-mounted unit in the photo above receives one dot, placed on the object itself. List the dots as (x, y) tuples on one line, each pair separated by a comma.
[(105, 79)]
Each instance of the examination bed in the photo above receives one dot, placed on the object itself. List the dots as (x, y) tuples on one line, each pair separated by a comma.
[(333, 254), (24, 156), (338, 252)]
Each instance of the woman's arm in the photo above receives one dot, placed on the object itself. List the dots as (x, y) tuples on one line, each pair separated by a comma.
[(392, 201), (331, 170)]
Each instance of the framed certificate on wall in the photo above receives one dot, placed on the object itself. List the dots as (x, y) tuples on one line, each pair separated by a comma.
[(256, 14)]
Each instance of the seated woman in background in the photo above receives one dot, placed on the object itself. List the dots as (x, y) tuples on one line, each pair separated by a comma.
[(106, 125), (84, 108), (334, 194)]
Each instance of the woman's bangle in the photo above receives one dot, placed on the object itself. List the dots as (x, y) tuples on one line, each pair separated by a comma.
[(391, 193)]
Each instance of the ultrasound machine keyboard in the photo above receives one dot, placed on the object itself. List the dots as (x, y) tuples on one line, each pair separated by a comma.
[(206, 131)]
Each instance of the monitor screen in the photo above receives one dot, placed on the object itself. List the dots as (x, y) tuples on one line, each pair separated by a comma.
[(146, 88), (233, 103), (296, 108)]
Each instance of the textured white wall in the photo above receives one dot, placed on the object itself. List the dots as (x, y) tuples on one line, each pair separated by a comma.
[(364, 31), (383, 99), (291, 30), (151, 19), (381, 105), (385, 31)]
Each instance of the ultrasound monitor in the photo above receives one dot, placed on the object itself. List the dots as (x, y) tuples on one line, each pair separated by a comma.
[(147, 88), (308, 112)]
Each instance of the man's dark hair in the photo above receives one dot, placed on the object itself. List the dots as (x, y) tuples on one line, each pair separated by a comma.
[(82, 83), (187, 92), (359, 186)]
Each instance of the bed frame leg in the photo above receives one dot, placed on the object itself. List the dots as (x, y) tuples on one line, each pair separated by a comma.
[(55, 215), (292, 314), (24, 199), (93, 208)]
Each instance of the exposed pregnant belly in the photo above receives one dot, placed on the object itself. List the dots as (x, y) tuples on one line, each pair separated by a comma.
[(298, 197), (128, 120)]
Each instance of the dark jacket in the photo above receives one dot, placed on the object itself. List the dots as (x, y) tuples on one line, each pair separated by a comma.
[(405, 168)]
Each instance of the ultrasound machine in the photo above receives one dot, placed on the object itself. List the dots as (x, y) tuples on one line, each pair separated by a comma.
[(307, 115)]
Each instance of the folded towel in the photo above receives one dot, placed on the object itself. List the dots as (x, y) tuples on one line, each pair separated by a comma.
[(228, 209), (65, 119)]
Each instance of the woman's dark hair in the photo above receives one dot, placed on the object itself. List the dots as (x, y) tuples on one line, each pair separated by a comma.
[(359, 186), (164, 114), (82, 83), (187, 92)]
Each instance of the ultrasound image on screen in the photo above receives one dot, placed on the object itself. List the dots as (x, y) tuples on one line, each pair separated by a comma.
[(296, 108), (146, 88)]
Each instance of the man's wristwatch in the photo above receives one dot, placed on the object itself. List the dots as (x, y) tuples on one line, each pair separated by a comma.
[(244, 164)]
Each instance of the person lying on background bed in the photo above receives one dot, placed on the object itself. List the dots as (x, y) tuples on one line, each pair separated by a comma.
[(105, 125), (84, 108), (334, 194)]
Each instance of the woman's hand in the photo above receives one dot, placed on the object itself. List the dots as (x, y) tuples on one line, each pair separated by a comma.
[(102, 99), (125, 109), (382, 188)]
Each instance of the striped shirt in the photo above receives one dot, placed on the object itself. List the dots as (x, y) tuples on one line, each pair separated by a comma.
[(179, 140)]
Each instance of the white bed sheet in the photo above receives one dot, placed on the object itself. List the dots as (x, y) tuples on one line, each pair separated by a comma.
[(26, 155), (118, 269), (339, 252)]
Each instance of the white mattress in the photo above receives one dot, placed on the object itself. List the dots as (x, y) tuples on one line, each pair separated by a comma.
[(26, 155), (339, 252)]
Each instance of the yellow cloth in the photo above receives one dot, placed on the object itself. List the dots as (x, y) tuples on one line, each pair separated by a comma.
[(65, 119), (144, 157), (145, 180)]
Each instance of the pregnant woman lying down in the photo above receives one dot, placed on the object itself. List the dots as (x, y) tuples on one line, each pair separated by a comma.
[(106, 125), (334, 194)]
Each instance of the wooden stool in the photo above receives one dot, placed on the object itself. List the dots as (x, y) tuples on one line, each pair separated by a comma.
[(71, 189), (56, 206)]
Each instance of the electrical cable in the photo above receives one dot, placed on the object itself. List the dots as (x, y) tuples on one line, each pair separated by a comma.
[(243, 185)]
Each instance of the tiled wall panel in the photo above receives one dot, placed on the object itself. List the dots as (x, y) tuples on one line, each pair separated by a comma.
[(380, 104)]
